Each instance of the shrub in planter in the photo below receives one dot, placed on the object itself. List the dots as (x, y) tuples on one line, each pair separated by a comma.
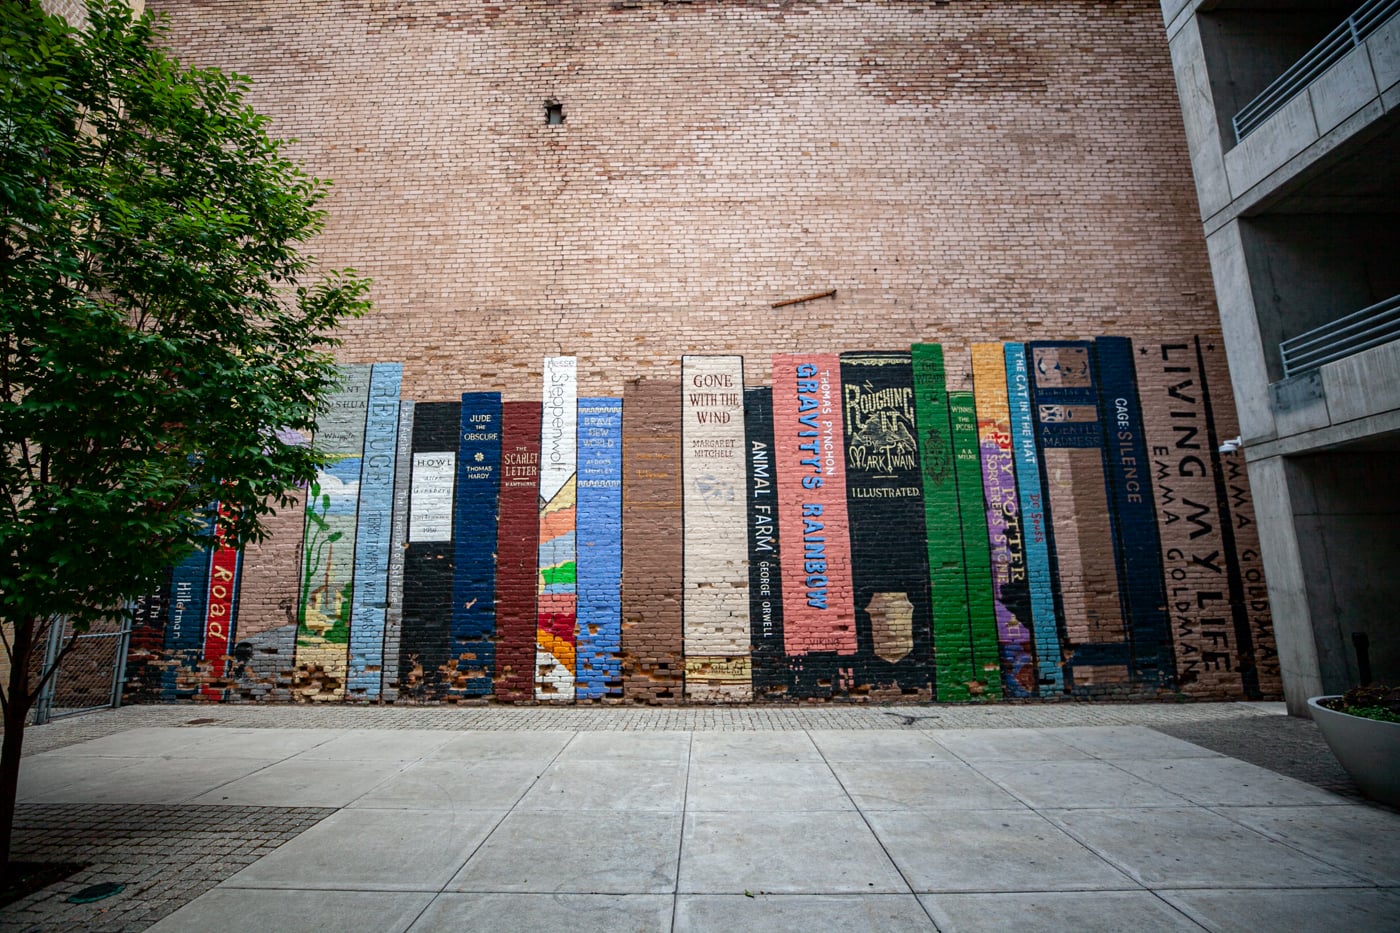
[(1362, 727), (1382, 703)]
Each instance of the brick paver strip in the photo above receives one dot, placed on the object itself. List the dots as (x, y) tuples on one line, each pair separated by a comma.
[(166, 856), (64, 732)]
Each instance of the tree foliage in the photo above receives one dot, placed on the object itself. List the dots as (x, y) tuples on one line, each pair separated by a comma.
[(163, 338), (164, 341)]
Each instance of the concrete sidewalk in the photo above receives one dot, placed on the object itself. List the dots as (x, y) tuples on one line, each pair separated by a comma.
[(889, 823)]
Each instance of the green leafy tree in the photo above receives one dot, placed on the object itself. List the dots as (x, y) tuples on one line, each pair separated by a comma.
[(159, 326)]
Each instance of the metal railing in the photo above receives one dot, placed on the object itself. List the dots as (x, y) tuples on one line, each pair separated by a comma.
[(1369, 327), (1369, 17)]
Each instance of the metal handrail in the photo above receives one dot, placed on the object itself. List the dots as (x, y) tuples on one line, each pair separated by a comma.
[(1361, 330), (1369, 17)]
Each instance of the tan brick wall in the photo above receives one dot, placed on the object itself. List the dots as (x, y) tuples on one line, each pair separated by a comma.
[(959, 172), (962, 171)]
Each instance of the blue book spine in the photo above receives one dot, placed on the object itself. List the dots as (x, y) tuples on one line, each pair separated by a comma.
[(376, 510), (599, 535), (1139, 546), (189, 605), (1069, 431), (1033, 522), (475, 520)]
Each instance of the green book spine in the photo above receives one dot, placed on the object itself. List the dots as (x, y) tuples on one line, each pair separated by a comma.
[(952, 651), (982, 621)]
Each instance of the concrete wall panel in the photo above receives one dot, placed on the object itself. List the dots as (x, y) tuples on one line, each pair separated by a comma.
[(1343, 89)]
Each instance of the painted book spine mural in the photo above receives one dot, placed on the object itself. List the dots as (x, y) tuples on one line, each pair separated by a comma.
[(856, 530), (1211, 363), (598, 673), (144, 665), (715, 579), (1035, 540), (885, 495), (328, 567), (977, 556), (222, 609), (652, 635), (424, 644), (472, 651), (556, 637), (1240, 535), (809, 448), (184, 630), (765, 572), (1010, 582), (373, 531), (1138, 547), (1070, 436), (1175, 409), (398, 544), (517, 551), (956, 667)]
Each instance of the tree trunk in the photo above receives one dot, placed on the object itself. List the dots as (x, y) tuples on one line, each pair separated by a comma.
[(16, 711)]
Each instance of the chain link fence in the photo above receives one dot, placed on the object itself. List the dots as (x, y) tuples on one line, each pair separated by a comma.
[(90, 675)]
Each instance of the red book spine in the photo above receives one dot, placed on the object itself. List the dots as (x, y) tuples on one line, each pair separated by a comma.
[(809, 450), (517, 550), (218, 627)]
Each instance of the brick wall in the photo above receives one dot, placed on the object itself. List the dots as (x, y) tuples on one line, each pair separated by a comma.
[(956, 173), (653, 667)]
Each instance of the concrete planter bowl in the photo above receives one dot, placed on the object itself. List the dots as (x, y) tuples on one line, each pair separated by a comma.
[(1368, 749)]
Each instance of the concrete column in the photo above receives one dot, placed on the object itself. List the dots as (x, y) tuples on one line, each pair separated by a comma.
[(1287, 581), (1249, 369), (1198, 115)]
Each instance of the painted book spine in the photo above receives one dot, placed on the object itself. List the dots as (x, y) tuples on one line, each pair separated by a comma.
[(398, 543), (1175, 415), (424, 651), (148, 620), (1006, 536), (954, 665), (222, 603), (556, 636), (1139, 547), (328, 565), (184, 630), (652, 633), (1070, 436), (472, 652), (517, 551), (598, 674), (818, 608), (373, 531), (1256, 654), (1034, 532), (977, 556), (715, 577), (770, 676), (884, 501)]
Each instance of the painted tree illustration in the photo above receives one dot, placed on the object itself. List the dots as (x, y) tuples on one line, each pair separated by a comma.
[(320, 542)]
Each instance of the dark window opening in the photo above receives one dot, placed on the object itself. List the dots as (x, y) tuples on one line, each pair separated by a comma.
[(553, 113)]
